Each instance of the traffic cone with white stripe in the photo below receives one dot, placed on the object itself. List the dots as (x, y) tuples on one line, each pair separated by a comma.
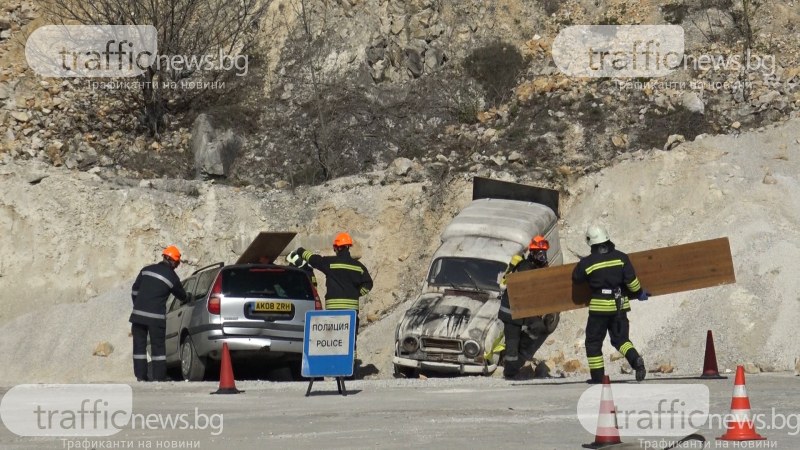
[(607, 432), (741, 427)]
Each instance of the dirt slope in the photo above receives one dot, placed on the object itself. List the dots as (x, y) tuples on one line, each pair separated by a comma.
[(65, 239)]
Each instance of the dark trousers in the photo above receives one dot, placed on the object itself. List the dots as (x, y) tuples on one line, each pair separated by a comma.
[(517, 347), (157, 333), (617, 326)]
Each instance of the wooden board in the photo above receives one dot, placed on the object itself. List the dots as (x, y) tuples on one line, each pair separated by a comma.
[(268, 244), (661, 271)]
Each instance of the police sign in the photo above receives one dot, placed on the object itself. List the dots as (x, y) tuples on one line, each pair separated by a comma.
[(328, 344)]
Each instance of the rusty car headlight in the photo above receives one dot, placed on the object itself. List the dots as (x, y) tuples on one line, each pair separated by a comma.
[(472, 348), (410, 344)]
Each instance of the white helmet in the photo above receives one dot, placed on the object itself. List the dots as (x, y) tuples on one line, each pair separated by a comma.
[(596, 234)]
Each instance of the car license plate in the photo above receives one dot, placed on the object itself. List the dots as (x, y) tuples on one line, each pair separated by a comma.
[(273, 307)]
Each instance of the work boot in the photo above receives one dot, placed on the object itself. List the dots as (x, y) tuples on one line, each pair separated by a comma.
[(597, 376), (641, 372)]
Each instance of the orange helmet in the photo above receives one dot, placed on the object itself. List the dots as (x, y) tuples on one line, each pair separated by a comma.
[(342, 240), (172, 253), (539, 243)]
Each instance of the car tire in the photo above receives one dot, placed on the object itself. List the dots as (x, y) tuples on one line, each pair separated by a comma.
[(193, 367), (551, 322), (405, 372)]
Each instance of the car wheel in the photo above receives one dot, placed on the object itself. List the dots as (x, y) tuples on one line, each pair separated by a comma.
[(551, 322), (193, 367), (405, 372)]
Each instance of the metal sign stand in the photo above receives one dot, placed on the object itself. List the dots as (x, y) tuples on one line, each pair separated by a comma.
[(329, 347), (339, 386)]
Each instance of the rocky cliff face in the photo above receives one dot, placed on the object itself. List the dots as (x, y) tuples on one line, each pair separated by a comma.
[(342, 87)]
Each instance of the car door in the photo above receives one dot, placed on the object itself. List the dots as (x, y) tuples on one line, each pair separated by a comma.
[(175, 312)]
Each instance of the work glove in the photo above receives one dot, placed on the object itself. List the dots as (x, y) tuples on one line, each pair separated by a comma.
[(293, 258), (643, 295)]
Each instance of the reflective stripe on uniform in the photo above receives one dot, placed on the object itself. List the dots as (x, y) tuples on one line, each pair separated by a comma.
[(595, 362), (511, 358), (159, 358), (147, 314), (134, 293), (307, 254), (515, 260), (607, 305), (364, 291), (505, 310), (624, 348), (352, 267), (634, 285), (158, 276), (604, 265), (139, 356), (341, 303)]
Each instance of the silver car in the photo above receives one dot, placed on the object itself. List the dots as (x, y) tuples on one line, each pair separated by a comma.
[(257, 309)]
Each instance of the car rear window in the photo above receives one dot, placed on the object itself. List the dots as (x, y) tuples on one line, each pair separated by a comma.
[(266, 283)]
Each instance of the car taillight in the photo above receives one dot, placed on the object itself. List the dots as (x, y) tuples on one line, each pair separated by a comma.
[(215, 298), (317, 303)]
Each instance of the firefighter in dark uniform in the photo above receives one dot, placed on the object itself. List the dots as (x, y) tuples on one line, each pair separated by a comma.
[(149, 293), (612, 280), (517, 341), (345, 278)]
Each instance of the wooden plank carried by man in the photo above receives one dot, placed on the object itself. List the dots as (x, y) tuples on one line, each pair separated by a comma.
[(661, 271)]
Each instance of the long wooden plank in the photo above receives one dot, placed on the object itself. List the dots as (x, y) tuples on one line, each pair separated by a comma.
[(661, 271), (267, 245)]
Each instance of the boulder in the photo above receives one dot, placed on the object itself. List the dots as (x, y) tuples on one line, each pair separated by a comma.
[(214, 151), (751, 368), (103, 349), (573, 365), (673, 141), (20, 116), (414, 62), (402, 167), (692, 102)]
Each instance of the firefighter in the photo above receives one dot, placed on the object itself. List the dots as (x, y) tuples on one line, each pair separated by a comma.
[(612, 279), (345, 278), (518, 342), (149, 293)]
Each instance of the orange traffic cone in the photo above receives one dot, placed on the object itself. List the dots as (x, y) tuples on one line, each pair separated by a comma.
[(710, 370), (227, 385), (741, 427), (607, 432)]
